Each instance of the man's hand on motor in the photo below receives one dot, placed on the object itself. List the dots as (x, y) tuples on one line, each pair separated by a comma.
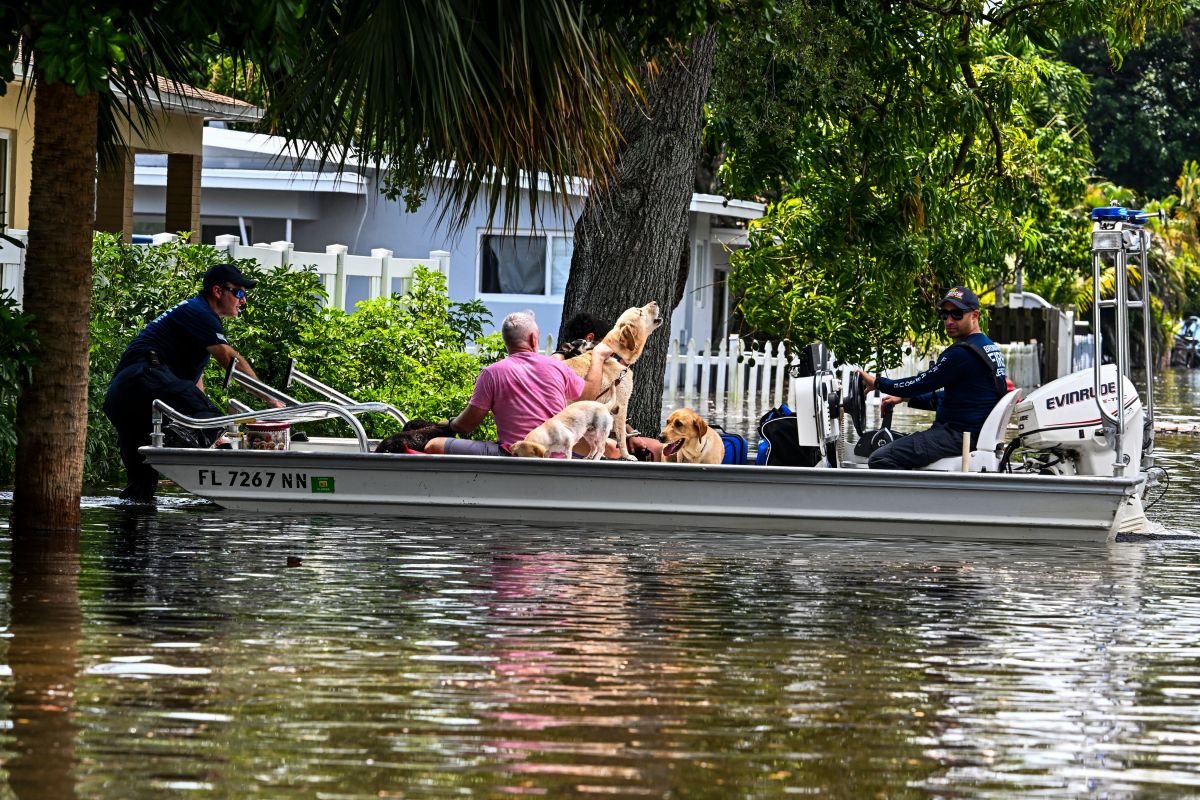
[(867, 378)]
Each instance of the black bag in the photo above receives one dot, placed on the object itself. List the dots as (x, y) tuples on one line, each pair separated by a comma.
[(778, 429), (176, 435)]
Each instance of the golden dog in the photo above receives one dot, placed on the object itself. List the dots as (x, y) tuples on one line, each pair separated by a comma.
[(584, 420), (690, 440), (627, 339)]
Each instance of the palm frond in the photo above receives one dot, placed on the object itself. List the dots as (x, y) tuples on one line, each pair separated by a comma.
[(486, 96)]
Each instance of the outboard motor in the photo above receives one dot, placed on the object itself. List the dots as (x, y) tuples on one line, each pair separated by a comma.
[(1061, 418), (1092, 422)]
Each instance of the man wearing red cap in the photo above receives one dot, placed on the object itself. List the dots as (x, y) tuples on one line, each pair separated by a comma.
[(962, 386), (166, 361)]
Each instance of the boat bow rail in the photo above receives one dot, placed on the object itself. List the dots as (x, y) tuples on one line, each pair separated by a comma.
[(301, 412), (335, 406)]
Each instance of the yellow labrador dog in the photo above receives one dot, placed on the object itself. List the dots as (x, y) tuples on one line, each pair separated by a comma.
[(627, 339), (585, 420), (690, 440)]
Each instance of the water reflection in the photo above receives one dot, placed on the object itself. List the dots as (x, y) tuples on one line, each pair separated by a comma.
[(423, 659), (44, 620), (197, 651)]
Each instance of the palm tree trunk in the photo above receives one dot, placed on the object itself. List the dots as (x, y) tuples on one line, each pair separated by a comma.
[(631, 241), (52, 410)]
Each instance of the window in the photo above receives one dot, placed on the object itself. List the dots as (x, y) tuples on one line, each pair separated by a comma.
[(525, 264)]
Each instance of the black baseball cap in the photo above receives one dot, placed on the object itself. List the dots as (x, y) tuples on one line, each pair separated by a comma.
[(226, 273), (961, 298)]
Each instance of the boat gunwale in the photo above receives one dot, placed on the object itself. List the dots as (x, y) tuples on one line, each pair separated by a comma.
[(728, 473)]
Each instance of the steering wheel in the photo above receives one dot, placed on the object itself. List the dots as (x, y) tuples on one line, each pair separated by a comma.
[(854, 402)]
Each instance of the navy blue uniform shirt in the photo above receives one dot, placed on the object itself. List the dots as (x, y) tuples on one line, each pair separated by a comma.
[(181, 337), (969, 387)]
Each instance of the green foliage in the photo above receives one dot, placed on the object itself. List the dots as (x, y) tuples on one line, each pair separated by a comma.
[(237, 79), (1142, 117), (908, 151), (16, 363)]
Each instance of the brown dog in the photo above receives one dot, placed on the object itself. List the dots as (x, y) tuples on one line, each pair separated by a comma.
[(690, 440), (585, 420), (627, 339)]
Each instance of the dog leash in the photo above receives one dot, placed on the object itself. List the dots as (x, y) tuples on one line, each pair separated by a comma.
[(616, 380)]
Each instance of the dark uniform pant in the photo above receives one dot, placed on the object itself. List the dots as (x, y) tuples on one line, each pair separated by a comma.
[(919, 449), (127, 404)]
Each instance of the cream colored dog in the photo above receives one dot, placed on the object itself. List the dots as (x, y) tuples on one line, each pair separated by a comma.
[(585, 420), (627, 339), (690, 440)]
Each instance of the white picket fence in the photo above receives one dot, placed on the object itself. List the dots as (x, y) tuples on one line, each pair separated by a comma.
[(740, 381), (348, 279)]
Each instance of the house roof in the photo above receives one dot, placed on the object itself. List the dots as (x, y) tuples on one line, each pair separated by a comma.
[(223, 142), (262, 180), (720, 206), (259, 146), (176, 96)]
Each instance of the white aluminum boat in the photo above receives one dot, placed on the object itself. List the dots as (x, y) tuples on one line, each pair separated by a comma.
[(479, 490), (1076, 469)]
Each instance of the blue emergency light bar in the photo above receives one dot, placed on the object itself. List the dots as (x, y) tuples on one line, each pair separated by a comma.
[(1120, 214)]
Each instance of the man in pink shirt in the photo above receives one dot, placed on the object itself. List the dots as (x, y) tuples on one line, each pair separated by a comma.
[(522, 390)]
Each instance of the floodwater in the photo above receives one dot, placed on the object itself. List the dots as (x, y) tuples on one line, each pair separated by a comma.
[(193, 652)]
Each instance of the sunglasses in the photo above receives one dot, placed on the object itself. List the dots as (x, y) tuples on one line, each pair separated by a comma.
[(956, 314), (237, 292)]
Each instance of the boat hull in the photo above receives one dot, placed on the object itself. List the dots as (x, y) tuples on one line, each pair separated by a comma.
[(854, 502)]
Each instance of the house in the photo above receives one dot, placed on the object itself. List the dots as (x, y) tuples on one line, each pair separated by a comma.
[(254, 188), (177, 135)]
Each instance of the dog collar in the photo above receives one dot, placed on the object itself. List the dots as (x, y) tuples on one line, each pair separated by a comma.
[(619, 360)]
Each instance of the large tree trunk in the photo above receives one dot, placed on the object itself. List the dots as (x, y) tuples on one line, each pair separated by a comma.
[(52, 410), (631, 241)]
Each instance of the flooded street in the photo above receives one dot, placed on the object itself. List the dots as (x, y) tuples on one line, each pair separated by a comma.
[(195, 652)]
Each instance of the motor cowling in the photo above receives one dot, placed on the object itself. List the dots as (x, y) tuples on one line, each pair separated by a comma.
[(1063, 416)]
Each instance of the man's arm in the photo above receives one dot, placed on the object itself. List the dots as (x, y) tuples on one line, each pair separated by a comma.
[(224, 354), (593, 383), (470, 419), (946, 370)]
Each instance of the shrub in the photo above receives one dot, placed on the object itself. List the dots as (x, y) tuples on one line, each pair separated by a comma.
[(16, 362)]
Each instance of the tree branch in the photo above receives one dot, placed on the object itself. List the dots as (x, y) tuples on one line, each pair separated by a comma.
[(968, 72), (1003, 19)]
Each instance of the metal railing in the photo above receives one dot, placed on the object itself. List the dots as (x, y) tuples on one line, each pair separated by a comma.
[(335, 406)]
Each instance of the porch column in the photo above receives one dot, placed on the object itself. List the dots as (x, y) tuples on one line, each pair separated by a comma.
[(183, 194), (114, 196)]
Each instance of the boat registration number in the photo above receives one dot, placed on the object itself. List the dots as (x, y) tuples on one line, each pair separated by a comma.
[(258, 479)]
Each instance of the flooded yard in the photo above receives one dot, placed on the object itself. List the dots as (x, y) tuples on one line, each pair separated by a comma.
[(194, 652)]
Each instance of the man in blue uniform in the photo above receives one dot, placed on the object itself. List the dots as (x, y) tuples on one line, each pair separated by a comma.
[(166, 361), (962, 387)]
